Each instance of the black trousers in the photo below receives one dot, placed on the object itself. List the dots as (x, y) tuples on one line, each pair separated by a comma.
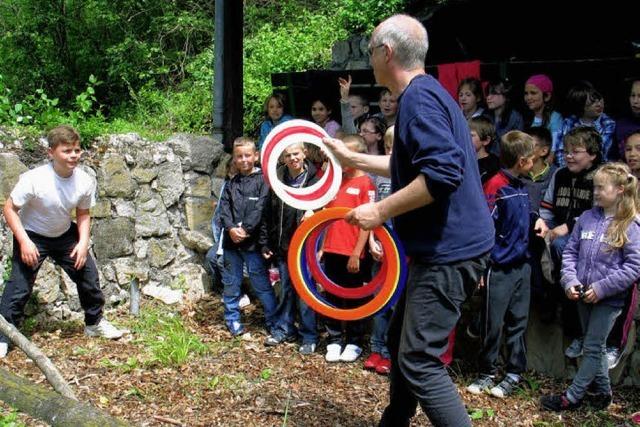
[(335, 267), (419, 334), (506, 313), (20, 285)]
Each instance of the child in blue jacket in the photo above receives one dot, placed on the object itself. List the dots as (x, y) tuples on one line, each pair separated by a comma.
[(508, 279)]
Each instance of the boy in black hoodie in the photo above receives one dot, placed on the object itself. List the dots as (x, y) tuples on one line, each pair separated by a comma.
[(243, 205), (283, 221)]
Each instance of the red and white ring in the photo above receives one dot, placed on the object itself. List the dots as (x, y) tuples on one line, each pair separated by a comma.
[(281, 137)]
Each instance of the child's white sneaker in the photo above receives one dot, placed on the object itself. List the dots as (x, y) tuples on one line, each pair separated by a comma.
[(244, 301), (4, 349), (333, 353), (350, 353), (103, 329)]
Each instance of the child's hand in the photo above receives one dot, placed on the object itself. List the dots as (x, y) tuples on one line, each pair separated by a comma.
[(267, 254), (307, 214), (345, 85), (376, 249), (29, 253), (79, 252), (572, 293), (353, 265), (559, 231), (237, 234), (481, 282), (590, 296), (540, 228)]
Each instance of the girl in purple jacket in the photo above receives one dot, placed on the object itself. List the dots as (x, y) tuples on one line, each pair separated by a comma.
[(600, 264)]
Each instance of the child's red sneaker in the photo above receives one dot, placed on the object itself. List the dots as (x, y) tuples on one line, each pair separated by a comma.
[(384, 366), (372, 361)]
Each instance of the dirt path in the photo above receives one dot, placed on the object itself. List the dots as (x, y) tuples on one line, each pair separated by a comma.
[(239, 382)]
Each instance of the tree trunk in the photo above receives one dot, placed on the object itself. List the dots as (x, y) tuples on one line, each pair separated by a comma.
[(42, 361), (49, 406)]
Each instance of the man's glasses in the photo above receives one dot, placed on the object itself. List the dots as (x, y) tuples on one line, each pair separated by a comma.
[(372, 48)]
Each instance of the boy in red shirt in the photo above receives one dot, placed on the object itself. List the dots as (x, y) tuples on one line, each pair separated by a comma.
[(344, 257)]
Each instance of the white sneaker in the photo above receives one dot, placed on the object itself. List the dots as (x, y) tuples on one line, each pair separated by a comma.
[(244, 301), (350, 353), (333, 353), (4, 349), (103, 329)]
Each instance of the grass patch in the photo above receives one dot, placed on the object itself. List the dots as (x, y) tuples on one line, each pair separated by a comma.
[(10, 420), (167, 340)]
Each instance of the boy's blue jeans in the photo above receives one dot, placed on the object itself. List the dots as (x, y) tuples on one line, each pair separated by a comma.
[(259, 279), (378, 340), (597, 321), (286, 312)]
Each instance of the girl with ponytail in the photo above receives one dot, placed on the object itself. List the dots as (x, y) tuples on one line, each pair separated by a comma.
[(600, 264)]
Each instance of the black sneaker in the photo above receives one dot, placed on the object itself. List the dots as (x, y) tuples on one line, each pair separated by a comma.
[(557, 403), (277, 339), (600, 401)]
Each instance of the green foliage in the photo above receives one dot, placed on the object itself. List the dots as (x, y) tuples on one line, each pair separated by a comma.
[(10, 420), (167, 340), (109, 66), (361, 16), (303, 43), (8, 265), (479, 413)]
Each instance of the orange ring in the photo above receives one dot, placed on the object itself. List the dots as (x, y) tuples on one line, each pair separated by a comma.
[(389, 291)]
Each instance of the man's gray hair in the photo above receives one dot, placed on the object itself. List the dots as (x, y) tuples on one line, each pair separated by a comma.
[(407, 37)]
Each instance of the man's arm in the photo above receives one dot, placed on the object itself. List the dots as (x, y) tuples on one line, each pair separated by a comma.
[(377, 165), (413, 196), (28, 251)]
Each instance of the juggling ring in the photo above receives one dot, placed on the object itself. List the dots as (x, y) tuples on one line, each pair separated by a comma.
[(311, 247), (304, 198), (389, 292)]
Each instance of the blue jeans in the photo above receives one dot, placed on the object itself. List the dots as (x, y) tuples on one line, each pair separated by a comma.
[(378, 340), (259, 279), (214, 263), (597, 321), (286, 312)]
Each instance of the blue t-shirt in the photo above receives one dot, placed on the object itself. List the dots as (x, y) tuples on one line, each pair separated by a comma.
[(432, 138)]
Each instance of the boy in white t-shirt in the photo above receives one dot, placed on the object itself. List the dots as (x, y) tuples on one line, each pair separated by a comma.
[(38, 211)]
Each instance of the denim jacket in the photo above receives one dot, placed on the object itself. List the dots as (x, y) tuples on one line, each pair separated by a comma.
[(589, 260)]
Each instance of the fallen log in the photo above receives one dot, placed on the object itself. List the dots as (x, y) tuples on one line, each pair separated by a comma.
[(42, 361), (49, 406)]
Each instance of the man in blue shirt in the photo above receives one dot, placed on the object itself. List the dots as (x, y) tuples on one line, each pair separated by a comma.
[(438, 211)]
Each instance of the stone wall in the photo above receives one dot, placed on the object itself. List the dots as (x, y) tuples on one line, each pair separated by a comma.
[(151, 221), (351, 54)]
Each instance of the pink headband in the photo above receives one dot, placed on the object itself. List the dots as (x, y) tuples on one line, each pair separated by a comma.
[(542, 82)]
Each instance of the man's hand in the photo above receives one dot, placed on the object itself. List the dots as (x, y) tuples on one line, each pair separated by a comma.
[(559, 231), (353, 265), (345, 86), (366, 216), (540, 228), (342, 153), (29, 253), (79, 252)]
